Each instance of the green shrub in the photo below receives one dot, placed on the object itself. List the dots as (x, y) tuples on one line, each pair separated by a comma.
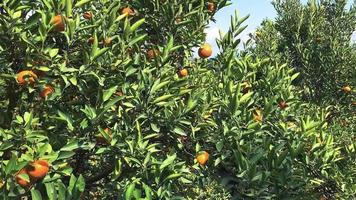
[(315, 38)]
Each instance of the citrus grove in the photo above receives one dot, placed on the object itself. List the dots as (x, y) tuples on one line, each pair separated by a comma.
[(105, 100)]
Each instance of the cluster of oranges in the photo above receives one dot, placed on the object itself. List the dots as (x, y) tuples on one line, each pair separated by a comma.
[(35, 170), (29, 77), (58, 23), (205, 51)]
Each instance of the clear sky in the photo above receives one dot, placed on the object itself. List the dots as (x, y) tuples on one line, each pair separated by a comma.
[(258, 10)]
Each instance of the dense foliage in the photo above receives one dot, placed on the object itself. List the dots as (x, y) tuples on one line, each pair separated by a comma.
[(314, 38), (103, 100)]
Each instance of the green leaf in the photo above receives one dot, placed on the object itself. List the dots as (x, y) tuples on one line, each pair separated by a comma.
[(219, 145), (162, 98), (148, 191), (81, 3), (11, 165), (158, 85), (51, 191), (36, 195), (294, 76), (136, 25), (90, 112), (129, 191), (53, 52), (70, 146), (61, 191), (94, 47), (245, 97), (168, 161), (68, 8), (80, 184), (108, 93), (173, 176), (66, 118), (281, 157), (108, 105), (136, 39), (73, 80), (28, 118), (72, 182), (100, 52), (179, 131)]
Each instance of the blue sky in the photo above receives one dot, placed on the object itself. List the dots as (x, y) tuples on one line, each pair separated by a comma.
[(258, 10)]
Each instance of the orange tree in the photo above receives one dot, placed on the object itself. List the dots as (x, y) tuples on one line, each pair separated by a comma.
[(315, 38), (101, 99)]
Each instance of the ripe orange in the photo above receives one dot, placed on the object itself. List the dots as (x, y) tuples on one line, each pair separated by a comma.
[(26, 77), (152, 53), (211, 7), (38, 169), (183, 73), (22, 182), (205, 51), (346, 89), (47, 90), (127, 11), (257, 115), (88, 15), (202, 157), (58, 23), (282, 105)]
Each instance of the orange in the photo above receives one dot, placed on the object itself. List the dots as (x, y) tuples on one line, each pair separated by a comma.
[(282, 105), (183, 73), (26, 77), (127, 11), (202, 157), (346, 89), (22, 182), (47, 90), (205, 51), (353, 103), (211, 7), (58, 22), (88, 15), (257, 115), (178, 20), (38, 169), (152, 53)]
